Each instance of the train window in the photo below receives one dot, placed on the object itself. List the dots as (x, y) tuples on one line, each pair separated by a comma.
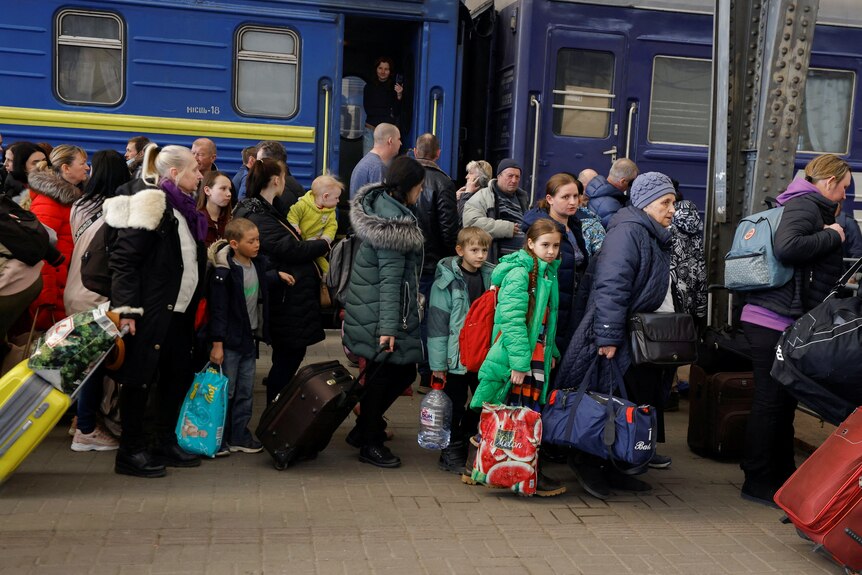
[(267, 72), (583, 94), (679, 111), (89, 57), (825, 123)]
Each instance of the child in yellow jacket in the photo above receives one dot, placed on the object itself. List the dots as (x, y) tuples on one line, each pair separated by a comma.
[(313, 215)]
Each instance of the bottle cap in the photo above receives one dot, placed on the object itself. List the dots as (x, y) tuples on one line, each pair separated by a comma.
[(437, 385)]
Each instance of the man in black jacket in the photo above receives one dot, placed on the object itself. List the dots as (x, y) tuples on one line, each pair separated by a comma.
[(437, 212)]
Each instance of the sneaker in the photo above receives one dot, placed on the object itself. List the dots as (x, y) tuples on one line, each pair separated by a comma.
[(660, 461), (98, 440), (547, 487), (379, 455), (223, 451), (73, 427), (253, 446)]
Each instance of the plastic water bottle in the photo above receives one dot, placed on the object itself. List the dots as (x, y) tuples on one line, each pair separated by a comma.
[(435, 418)]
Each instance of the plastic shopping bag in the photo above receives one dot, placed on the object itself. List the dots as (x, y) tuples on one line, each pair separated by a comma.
[(201, 423), (508, 452)]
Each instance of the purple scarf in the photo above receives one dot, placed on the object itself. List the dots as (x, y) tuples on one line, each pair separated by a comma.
[(186, 205)]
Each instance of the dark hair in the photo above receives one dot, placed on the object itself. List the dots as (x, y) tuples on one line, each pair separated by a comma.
[(272, 150), (248, 152), (556, 182), (108, 172), (139, 142), (259, 175), (208, 181), (539, 228), (382, 59), (21, 152), (403, 175)]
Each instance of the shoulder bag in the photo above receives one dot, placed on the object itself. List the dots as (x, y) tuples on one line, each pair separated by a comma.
[(663, 338)]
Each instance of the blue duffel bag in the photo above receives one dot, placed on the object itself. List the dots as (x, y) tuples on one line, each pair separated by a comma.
[(602, 424)]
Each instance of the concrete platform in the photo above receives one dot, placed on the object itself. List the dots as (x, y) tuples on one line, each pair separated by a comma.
[(68, 513)]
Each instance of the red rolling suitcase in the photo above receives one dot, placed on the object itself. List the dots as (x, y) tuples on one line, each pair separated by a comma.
[(823, 499)]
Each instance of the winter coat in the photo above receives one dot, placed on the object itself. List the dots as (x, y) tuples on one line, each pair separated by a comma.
[(514, 340), (814, 252), (593, 230), (632, 272), (570, 271), (76, 297), (446, 313), (52, 204), (382, 297), (229, 322), (146, 265), (605, 199), (481, 211), (437, 213), (688, 262), (294, 310), (852, 247)]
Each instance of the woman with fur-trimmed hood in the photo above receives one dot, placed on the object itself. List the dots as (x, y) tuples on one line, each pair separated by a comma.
[(382, 308), (54, 188)]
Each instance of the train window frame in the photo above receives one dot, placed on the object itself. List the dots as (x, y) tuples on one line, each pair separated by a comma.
[(851, 102), (652, 95), (598, 102), (89, 42), (293, 59)]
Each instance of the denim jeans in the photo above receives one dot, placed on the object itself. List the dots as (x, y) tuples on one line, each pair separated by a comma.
[(239, 370)]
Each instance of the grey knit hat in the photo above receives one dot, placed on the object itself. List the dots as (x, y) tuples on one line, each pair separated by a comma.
[(649, 187), (507, 163)]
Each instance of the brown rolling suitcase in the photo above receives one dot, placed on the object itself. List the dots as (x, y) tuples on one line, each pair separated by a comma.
[(719, 406), (300, 421)]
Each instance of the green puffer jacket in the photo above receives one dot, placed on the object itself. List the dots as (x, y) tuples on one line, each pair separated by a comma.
[(514, 347), (446, 312), (382, 297)]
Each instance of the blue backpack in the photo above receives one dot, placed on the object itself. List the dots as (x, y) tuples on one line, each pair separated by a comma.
[(751, 263)]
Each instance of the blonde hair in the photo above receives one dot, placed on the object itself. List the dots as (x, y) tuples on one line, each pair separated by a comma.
[(158, 162), (483, 169), (325, 183), (824, 167), (62, 155)]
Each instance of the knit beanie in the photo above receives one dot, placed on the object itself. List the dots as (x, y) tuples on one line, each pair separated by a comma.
[(507, 163), (649, 187)]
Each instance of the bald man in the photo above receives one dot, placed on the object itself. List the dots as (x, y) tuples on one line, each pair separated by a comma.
[(204, 151), (586, 176)]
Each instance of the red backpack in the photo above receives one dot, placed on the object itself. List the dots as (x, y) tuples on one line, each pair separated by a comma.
[(474, 340)]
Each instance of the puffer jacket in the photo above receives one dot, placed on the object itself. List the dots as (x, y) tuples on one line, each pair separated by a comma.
[(605, 199), (688, 262), (446, 313), (294, 310), (382, 297), (814, 252), (632, 272), (514, 340), (573, 264), (437, 214), (76, 297), (52, 204)]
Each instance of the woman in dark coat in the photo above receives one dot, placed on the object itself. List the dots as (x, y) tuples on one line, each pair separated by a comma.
[(808, 239), (382, 311), (562, 199), (294, 308), (632, 274), (157, 265)]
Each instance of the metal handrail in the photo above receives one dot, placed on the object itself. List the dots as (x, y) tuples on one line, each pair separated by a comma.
[(535, 102)]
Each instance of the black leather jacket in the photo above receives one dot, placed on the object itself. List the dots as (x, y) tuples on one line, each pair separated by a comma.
[(437, 212)]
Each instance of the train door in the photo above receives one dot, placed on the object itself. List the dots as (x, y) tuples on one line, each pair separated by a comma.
[(582, 110)]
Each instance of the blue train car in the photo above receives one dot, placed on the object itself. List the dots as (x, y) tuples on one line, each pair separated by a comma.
[(578, 83), (97, 72)]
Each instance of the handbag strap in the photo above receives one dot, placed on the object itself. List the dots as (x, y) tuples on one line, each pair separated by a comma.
[(610, 431), (855, 267), (589, 378)]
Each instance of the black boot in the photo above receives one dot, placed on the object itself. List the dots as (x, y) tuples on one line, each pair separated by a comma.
[(172, 455), (453, 458), (138, 464), (547, 487)]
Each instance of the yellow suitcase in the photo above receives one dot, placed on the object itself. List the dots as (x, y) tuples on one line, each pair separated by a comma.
[(29, 409)]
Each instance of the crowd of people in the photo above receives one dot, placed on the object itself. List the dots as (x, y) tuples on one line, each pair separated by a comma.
[(204, 265)]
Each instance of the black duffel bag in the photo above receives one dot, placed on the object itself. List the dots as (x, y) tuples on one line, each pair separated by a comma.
[(663, 338), (819, 358)]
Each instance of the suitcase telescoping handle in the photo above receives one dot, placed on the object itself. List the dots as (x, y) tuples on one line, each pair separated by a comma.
[(382, 354)]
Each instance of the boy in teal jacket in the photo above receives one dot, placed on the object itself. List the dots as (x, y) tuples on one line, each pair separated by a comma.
[(458, 282)]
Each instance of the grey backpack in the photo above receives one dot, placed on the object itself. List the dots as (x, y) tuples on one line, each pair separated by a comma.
[(340, 265)]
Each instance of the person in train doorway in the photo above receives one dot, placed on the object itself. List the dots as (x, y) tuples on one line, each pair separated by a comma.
[(608, 195), (499, 210), (371, 169), (381, 99), (437, 213), (809, 239)]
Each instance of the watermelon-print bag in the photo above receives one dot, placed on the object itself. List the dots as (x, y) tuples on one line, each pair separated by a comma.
[(509, 449)]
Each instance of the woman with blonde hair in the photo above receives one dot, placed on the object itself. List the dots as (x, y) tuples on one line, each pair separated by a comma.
[(54, 188), (809, 239)]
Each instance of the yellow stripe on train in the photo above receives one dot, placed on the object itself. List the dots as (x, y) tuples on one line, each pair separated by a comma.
[(155, 125)]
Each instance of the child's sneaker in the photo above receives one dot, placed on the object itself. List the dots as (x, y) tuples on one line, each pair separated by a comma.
[(253, 446), (223, 451), (98, 440)]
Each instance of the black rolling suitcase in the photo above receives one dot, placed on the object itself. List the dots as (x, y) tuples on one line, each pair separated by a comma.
[(300, 421), (719, 406)]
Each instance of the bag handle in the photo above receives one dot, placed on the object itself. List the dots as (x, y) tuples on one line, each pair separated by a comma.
[(845, 278), (610, 432)]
